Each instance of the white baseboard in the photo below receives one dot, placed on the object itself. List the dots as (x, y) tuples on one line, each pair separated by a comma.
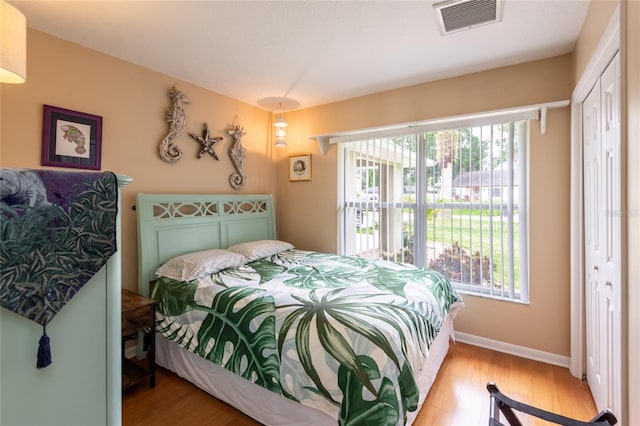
[(508, 348), (483, 342)]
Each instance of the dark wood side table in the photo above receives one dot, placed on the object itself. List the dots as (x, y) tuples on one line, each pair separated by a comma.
[(138, 314)]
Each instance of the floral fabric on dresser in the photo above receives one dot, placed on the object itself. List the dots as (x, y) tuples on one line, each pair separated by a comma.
[(57, 229)]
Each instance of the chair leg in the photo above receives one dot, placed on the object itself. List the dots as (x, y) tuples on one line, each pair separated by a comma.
[(605, 416), (501, 403)]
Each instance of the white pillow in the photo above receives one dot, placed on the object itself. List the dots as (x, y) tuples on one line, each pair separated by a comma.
[(190, 266), (258, 249)]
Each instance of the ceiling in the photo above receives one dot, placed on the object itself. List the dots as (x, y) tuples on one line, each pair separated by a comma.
[(314, 52)]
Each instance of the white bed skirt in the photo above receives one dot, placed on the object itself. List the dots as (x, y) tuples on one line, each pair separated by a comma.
[(268, 407)]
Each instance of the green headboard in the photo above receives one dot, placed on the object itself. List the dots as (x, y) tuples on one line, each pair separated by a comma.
[(173, 224)]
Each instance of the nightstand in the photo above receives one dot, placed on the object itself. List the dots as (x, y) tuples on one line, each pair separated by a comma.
[(138, 314)]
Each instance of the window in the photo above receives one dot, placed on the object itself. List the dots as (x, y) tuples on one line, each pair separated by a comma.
[(451, 199)]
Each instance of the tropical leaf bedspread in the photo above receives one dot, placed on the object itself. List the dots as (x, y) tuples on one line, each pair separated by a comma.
[(344, 335)]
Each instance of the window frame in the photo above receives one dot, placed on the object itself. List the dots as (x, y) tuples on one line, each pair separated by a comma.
[(422, 203)]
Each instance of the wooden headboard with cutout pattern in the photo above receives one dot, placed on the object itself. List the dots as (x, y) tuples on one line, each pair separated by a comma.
[(173, 224)]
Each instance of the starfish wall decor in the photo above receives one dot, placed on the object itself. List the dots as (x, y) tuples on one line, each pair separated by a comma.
[(207, 143)]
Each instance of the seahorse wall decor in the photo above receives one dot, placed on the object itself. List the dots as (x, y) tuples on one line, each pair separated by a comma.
[(177, 119), (237, 153)]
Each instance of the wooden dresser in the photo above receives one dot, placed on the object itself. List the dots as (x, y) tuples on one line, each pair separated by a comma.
[(138, 315)]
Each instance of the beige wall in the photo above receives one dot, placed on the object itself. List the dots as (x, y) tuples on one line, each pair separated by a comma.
[(308, 210), (132, 101), (595, 23)]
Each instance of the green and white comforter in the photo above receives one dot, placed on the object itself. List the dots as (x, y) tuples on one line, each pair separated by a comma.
[(344, 335)]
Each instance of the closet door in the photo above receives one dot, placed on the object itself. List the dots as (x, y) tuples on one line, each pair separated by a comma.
[(592, 228), (602, 211)]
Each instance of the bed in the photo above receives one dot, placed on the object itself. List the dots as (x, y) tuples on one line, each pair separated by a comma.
[(283, 334)]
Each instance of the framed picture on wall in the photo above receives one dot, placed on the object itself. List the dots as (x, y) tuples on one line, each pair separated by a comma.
[(71, 138), (300, 167)]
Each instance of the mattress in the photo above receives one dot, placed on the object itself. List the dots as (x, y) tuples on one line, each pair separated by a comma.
[(272, 409)]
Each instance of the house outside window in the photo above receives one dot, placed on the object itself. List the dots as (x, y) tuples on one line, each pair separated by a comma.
[(453, 200)]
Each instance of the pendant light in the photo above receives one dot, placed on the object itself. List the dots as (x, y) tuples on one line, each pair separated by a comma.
[(278, 106), (281, 128)]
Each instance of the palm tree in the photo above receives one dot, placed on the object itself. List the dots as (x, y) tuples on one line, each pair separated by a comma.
[(446, 150)]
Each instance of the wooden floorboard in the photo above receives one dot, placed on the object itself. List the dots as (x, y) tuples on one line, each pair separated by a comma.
[(457, 398)]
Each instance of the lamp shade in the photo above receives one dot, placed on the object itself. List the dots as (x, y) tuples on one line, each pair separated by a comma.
[(281, 137), (13, 44), (280, 121)]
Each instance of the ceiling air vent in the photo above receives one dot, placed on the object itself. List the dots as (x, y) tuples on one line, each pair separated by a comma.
[(458, 15)]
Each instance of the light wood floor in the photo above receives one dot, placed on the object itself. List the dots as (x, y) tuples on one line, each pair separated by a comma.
[(458, 397)]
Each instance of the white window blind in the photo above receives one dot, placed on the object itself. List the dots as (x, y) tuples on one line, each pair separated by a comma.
[(452, 199)]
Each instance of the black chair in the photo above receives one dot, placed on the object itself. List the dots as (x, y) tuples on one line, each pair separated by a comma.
[(502, 403)]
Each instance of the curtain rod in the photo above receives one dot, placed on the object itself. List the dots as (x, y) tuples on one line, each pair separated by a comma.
[(540, 111)]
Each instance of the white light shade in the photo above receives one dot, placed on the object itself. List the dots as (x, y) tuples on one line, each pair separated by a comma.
[(281, 137), (13, 44), (281, 131), (280, 121)]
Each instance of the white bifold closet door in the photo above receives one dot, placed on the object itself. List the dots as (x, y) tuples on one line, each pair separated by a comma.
[(603, 238)]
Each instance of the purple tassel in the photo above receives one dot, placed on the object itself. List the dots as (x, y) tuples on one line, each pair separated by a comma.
[(44, 350)]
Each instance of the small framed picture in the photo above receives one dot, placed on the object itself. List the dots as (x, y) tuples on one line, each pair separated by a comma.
[(300, 167), (71, 138)]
